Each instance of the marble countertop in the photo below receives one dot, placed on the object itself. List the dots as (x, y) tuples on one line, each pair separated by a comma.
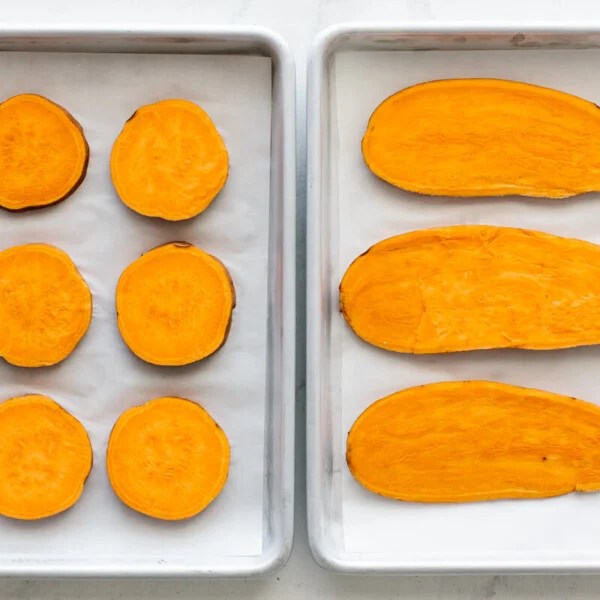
[(299, 21)]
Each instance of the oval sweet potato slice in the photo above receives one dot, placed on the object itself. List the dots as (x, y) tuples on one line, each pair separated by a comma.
[(174, 305), (45, 305), (471, 287), (485, 137), (167, 459), (44, 153), (169, 161), (45, 458), (463, 441)]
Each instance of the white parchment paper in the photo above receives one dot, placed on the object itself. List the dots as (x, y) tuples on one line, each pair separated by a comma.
[(101, 379), (369, 210)]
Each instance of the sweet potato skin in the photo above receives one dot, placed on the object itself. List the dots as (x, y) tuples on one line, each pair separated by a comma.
[(465, 441), (485, 137), (474, 287)]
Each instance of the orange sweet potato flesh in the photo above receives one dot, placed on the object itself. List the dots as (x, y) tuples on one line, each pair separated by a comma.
[(470, 287), (167, 459), (45, 305), (485, 137), (45, 458), (169, 161), (174, 305), (43, 153), (464, 441)]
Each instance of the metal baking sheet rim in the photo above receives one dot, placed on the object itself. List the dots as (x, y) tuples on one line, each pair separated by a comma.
[(387, 36), (279, 487)]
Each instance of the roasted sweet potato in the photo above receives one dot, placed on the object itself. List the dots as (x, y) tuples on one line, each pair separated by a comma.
[(485, 137), (45, 458), (45, 305), (167, 459), (463, 441), (174, 305), (470, 287), (43, 153), (169, 161)]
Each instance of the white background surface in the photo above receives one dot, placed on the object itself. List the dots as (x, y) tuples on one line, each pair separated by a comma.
[(298, 21)]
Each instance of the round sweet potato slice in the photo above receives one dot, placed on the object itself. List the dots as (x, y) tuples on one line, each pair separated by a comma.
[(43, 153), (174, 305), (45, 305), (169, 161), (45, 458), (167, 459)]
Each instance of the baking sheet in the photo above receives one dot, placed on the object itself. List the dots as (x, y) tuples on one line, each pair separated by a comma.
[(366, 210), (101, 379)]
